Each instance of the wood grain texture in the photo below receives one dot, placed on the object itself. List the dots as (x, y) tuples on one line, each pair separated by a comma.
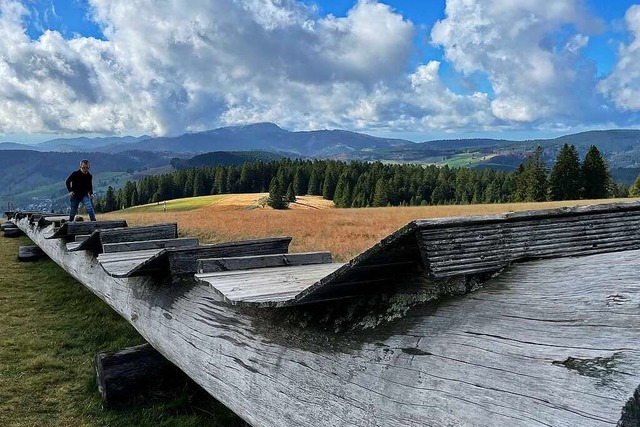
[(183, 260), (548, 343), (213, 265), (52, 219), (186, 242), (101, 236), (266, 286), (70, 229)]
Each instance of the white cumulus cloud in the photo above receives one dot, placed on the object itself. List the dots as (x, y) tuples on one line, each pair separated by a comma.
[(534, 67), (623, 84), (165, 67)]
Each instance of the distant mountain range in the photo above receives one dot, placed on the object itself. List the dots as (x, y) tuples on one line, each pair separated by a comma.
[(621, 148)]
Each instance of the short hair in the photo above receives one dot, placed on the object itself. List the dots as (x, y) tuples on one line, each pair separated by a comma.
[(84, 162)]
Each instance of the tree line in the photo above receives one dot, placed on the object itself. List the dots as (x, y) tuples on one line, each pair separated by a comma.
[(364, 184)]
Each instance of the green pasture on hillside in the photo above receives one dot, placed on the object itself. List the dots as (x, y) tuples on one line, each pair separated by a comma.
[(51, 327), (178, 205)]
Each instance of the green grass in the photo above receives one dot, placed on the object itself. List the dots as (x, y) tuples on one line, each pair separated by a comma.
[(51, 327), (178, 205), (462, 160)]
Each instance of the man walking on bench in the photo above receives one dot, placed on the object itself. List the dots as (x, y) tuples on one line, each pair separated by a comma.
[(80, 187)]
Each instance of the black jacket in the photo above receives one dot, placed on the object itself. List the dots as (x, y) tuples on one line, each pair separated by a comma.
[(80, 183)]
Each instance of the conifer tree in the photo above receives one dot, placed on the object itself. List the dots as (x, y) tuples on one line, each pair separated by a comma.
[(110, 200), (380, 195), (198, 184), (276, 195), (565, 182), (634, 190), (531, 179), (595, 175), (291, 194)]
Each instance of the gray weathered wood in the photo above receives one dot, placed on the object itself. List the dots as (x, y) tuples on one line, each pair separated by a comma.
[(184, 260), (186, 242), (30, 253), (125, 264), (71, 229), (267, 287), (100, 237), (124, 374), (480, 244), (56, 220), (212, 265), (7, 225), (547, 343), (12, 232)]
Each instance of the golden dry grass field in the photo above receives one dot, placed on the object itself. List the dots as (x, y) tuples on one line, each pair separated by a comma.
[(313, 222)]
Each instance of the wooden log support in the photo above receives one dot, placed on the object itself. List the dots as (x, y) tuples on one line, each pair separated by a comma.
[(12, 232), (186, 242), (213, 265), (552, 342), (125, 375), (30, 253)]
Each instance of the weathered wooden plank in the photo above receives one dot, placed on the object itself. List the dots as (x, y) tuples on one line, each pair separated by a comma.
[(548, 343), (125, 264), (541, 223), (212, 265), (70, 229), (100, 237), (260, 285), (524, 248), (74, 245), (140, 233), (184, 261), (150, 244), (513, 217), (51, 219)]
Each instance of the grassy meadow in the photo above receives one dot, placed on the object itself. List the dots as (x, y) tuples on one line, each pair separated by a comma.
[(312, 221), (51, 327)]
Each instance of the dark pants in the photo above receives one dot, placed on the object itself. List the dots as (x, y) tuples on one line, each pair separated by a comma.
[(74, 202)]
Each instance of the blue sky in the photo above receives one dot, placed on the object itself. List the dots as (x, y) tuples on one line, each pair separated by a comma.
[(416, 69)]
